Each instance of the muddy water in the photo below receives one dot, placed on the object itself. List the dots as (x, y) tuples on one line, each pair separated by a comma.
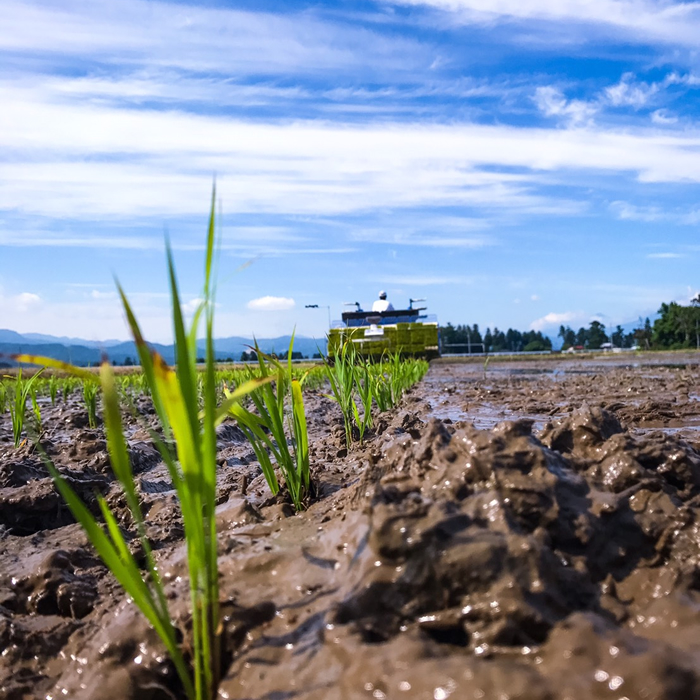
[(528, 531)]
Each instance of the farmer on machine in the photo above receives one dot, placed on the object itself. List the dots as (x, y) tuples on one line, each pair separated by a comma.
[(382, 304)]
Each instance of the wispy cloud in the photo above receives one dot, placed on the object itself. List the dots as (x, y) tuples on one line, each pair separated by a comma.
[(269, 303), (663, 117), (198, 38), (429, 280), (638, 20), (553, 319), (299, 168), (626, 211), (552, 103), (630, 93), (664, 256)]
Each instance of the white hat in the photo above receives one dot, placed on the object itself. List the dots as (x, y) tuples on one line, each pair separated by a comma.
[(382, 294)]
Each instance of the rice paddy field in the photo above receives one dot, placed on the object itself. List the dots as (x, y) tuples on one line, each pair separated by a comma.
[(516, 530), (353, 529)]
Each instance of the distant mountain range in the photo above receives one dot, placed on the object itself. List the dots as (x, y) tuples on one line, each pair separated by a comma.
[(83, 352)]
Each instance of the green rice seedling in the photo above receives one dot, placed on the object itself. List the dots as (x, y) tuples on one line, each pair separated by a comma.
[(396, 377), (403, 374), (365, 391), (53, 388), (70, 384), (90, 399), (341, 375), (381, 388), (267, 428), (36, 409), (192, 468), (3, 397), (392, 376), (18, 405)]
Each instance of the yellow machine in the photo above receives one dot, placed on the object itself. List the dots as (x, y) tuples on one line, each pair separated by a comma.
[(409, 331)]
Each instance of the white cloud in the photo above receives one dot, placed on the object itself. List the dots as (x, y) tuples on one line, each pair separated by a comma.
[(301, 167), (26, 299), (428, 280), (650, 213), (664, 256), (631, 212), (638, 20), (535, 297), (551, 102), (628, 93), (97, 294), (197, 38), (269, 303), (191, 306), (18, 304), (663, 117), (553, 319)]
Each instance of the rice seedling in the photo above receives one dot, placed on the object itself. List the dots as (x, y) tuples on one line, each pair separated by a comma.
[(192, 468), (36, 409), (394, 376), (341, 376), (53, 389), (381, 388), (18, 405), (90, 399), (365, 391), (268, 427), (3, 397)]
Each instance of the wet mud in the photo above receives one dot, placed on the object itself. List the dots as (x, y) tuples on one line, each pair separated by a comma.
[(522, 530)]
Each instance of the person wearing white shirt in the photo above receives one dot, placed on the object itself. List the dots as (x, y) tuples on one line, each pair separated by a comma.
[(382, 304)]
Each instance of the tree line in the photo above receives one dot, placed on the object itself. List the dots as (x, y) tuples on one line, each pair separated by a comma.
[(676, 328), (468, 339)]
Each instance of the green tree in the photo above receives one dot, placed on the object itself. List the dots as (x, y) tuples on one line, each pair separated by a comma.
[(568, 337), (671, 329), (596, 335), (618, 337)]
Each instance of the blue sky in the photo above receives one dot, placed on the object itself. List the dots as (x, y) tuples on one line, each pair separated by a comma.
[(520, 163)]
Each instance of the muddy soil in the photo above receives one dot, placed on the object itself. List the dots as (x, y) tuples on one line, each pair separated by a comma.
[(511, 531)]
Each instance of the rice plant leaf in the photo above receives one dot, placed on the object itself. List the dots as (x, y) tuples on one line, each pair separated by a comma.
[(146, 359), (169, 386), (121, 466), (185, 361), (56, 364), (233, 397), (301, 434)]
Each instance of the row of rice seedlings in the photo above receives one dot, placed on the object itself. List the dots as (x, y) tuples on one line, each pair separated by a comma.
[(278, 424), (192, 467), (383, 384), (394, 375)]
